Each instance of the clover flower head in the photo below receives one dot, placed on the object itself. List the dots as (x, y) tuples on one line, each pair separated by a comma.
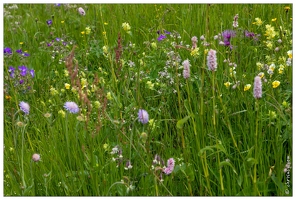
[(35, 157), (72, 107)]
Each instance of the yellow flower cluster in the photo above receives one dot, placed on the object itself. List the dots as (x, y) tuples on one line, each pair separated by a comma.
[(258, 22), (126, 27), (270, 32), (195, 52)]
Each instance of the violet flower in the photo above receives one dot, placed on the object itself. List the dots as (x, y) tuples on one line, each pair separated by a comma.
[(143, 116), (257, 92)]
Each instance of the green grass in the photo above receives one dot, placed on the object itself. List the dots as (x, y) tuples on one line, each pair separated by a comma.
[(223, 140)]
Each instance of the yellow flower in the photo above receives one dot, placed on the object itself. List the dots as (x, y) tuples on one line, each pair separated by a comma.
[(195, 52), (62, 21), (126, 26), (206, 51), (287, 8), (74, 90), (53, 91), (104, 33), (7, 97), (261, 74), (87, 30), (67, 86), (227, 84), (247, 87), (105, 49), (154, 45), (273, 20), (150, 85), (83, 82), (105, 23), (21, 43), (275, 84), (258, 22), (290, 54), (269, 44), (259, 65), (82, 32)]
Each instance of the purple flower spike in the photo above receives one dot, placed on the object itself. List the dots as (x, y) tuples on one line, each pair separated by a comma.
[(143, 116), (26, 54)]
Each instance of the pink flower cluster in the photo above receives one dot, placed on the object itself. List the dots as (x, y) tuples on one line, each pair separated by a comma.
[(170, 166), (257, 87), (186, 70), (212, 60)]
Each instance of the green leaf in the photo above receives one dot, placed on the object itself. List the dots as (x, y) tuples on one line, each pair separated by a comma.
[(181, 122), (223, 163), (278, 183), (210, 148)]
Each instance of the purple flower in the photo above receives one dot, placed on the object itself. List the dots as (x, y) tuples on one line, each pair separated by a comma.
[(11, 69), (227, 35), (194, 41), (57, 4), (7, 50), (64, 43), (58, 39), (72, 107), (32, 72), (25, 107), (49, 22), (161, 37), (167, 32), (26, 54), (212, 60), (186, 70), (251, 35), (49, 44), (170, 166), (257, 92), (23, 70), (143, 116), (19, 51), (21, 82)]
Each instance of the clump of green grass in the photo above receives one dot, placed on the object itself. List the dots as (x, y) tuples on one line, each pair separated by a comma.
[(153, 118)]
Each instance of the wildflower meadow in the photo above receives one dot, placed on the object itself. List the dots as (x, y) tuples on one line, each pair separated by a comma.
[(147, 99)]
